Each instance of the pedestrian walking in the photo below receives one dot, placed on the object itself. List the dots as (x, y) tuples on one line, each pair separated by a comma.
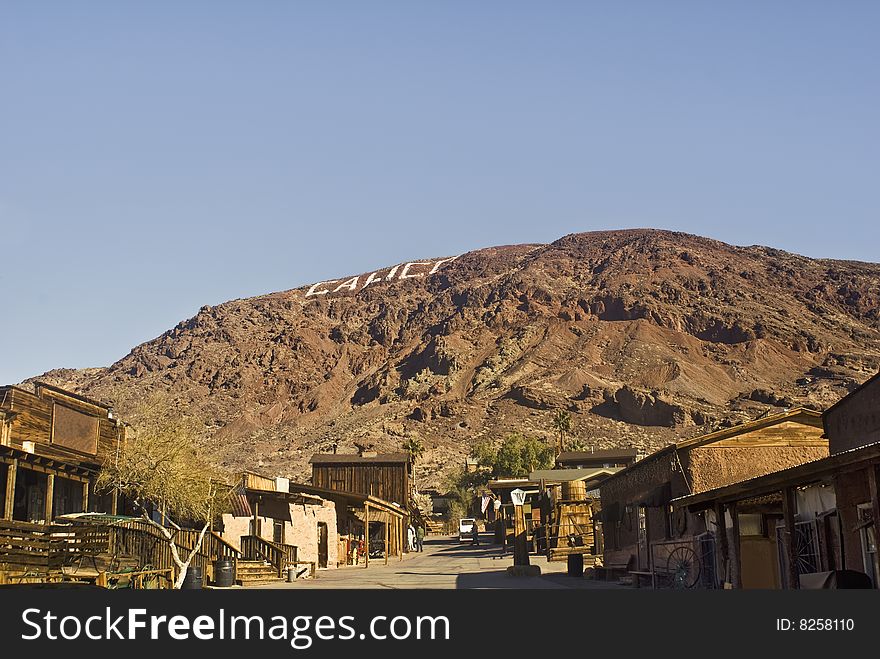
[(420, 537)]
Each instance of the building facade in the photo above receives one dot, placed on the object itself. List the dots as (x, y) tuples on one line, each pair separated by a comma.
[(643, 534), (52, 446), (387, 476)]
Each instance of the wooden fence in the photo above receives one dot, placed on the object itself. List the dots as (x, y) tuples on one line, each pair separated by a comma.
[(45, 548), (48, 546)]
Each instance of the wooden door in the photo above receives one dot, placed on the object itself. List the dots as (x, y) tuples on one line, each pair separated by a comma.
[(322, 544)]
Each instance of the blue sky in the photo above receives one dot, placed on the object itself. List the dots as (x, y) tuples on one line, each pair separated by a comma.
[(158, 156)]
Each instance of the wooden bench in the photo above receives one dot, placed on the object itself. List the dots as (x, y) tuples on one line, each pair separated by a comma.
[(612, 571), (639, 575)]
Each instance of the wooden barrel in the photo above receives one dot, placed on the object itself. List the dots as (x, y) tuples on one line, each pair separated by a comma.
[(574, 491)]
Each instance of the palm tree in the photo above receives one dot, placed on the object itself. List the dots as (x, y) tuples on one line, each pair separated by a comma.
[(414, 448), (562, 423)]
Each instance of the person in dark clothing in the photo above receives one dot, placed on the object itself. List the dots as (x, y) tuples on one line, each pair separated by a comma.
[(540, 535), (475, 534), (420, 537)]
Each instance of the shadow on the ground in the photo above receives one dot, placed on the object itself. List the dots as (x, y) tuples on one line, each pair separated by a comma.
[(497, 579), (473, 551)]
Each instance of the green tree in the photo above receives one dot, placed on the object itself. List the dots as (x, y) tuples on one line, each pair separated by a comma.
[(161, 465), (562, 423), (519, 455)]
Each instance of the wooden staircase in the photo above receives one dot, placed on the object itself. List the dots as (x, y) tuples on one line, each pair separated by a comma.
[(255, 572)]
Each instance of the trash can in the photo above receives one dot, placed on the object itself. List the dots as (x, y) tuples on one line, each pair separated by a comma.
[(193, 579), (224, 572), (576, 565)]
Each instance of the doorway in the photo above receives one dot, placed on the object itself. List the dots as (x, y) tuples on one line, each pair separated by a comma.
[(322, 545), (30, 496)]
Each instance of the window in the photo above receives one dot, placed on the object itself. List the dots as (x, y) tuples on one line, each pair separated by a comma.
[(668, 522), (751, 524), (869, 541)]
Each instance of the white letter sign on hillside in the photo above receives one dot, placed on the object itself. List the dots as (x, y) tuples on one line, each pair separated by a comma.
[(409, 270)]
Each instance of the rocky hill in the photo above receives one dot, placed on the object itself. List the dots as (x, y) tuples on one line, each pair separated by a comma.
[(642, 335)]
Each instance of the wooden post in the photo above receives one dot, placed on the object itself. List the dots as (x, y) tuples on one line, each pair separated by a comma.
[(648, 548), (256, 524), (9, 503), (50, 497), (721, 524), (386, 531), (737, 560), (367, 534), (85, 496), (520, 549), (788, 511), (874, 489), (114, 502), (401, 539)]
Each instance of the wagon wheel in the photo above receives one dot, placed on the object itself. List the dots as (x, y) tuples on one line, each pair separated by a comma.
[(683, 567)]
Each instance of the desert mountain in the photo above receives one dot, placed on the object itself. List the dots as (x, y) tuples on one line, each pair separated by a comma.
[(643, 335)]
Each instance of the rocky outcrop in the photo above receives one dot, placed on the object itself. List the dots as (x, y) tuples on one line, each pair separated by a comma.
[(642, 335)]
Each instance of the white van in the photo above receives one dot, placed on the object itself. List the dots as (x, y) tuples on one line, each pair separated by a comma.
[(466, 528)]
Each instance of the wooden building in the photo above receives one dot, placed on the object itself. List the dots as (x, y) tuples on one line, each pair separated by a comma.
[(387, 476), (808, 525), (597, 459), (643, 535), (52, 445)]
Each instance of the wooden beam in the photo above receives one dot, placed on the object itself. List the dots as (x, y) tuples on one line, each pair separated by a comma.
[(721, 524), (50, 497), (85, 497), (114, 502), (9, 503), (788, 511), (367, 534), (737, 547), (873, 478)]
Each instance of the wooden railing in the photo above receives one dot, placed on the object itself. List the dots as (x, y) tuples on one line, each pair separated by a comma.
[(48, 546), (279, 556), (41, 548), (149, 544)]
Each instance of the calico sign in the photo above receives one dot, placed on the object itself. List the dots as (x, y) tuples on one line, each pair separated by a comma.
[(410, 270)]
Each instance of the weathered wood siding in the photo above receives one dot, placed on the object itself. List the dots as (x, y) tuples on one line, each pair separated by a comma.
[(386, 481), (32, 420)]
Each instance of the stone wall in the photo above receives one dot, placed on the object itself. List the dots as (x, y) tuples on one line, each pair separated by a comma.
[(301, 531), (715, 466), (628, 487)]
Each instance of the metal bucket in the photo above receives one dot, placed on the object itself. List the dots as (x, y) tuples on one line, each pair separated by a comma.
[(224, 572), (193, 579), (291, 573)]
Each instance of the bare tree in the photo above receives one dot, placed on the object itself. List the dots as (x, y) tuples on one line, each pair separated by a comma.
[(161, 465)]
